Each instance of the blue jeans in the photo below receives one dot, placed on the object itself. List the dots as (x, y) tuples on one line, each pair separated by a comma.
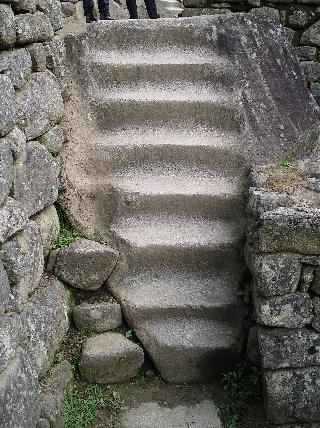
[(150, 6), (103, 5)]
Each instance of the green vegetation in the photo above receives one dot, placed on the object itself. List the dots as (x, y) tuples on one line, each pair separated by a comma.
[(287, 163), (83, 406), (243, 389), (128, 334)]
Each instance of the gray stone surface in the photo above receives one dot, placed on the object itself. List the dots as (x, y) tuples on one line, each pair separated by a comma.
[(152, 415), (315, 91), (36, 179), (52, 410), (290, 229), (53, 139), (38, 55), (39, 105), (23, 260), (7, 27), (291, 311), (312, 35), (305, 53), (292, 395), (49, 227), (60, 377), (300, 17), (306, 278), (56, 57), (17, 66), (7, 105), (6, 169), (285, 348), (17, 140), (68, 9), (110, 358), (19, 394), (13, 218), (311, 70), (261, 201), (32, 28), (276, 274), (4, 289), (10, 329), (85, 264), (45, 320), (54, 13), (97, 317), (267, 12), (316, 282)]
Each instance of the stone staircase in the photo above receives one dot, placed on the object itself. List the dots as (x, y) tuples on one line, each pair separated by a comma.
[(162, 174)]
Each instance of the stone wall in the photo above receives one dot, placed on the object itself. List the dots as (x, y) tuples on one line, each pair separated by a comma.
[(299, 17), (283, 253), (33, 306)]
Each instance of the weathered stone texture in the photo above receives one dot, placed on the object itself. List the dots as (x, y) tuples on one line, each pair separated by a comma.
[(19, 394), (290, 230), (17, 66), (49, 227), (7, 27), (98, 317), (46, 322), (10, 329), (291, 310), (293, 395), (6, 169), (17, 140), (284, 348), (311, 70), (39, 105), (54, 13), (85, 264), (306, 53), (23, 6), (260, 201), (276, 274), (312, 35), (36, 179), (31, 28), (56, 56), (53, 139), (38, 55), (110, 358), (7, 105), (13, 218), (23, 260), (4, 289)]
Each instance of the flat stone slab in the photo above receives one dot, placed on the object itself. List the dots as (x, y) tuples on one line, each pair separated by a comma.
[(98, 317), (85, 264), (110, 358), (152, 415)]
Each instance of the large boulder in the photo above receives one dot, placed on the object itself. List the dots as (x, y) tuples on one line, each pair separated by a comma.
[(13, 218), (17, 66), (110, 358), (36, 179), (49, 227), (97, 317), (31, 28), (39, 105), (85, 264), (7, 27), (10, 328), (45, 321), (19, 394), (7, 105)]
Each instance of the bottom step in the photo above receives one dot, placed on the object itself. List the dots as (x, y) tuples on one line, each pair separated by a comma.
[(191, 350)]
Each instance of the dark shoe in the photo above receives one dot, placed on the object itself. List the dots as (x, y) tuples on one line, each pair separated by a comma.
[(155, 16), (90, 18), (106, 18)]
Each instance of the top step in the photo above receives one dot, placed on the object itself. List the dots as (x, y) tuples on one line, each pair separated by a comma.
[(154, 35)]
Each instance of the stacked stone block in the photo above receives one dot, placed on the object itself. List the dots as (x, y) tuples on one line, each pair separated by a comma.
[(300, 19), (69, 10), (33, 306), (283, 252)]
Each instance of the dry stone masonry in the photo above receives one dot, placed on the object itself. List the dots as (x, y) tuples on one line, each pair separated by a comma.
[(33, 307), (300, 19), (283, 252)]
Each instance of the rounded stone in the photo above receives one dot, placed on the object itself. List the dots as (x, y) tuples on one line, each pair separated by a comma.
[(98, 317), (110, 358)]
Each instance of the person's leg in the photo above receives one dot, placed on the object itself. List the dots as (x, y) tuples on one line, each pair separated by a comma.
[(88, 7), (104, 9), (152, 9), (132, 8)]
